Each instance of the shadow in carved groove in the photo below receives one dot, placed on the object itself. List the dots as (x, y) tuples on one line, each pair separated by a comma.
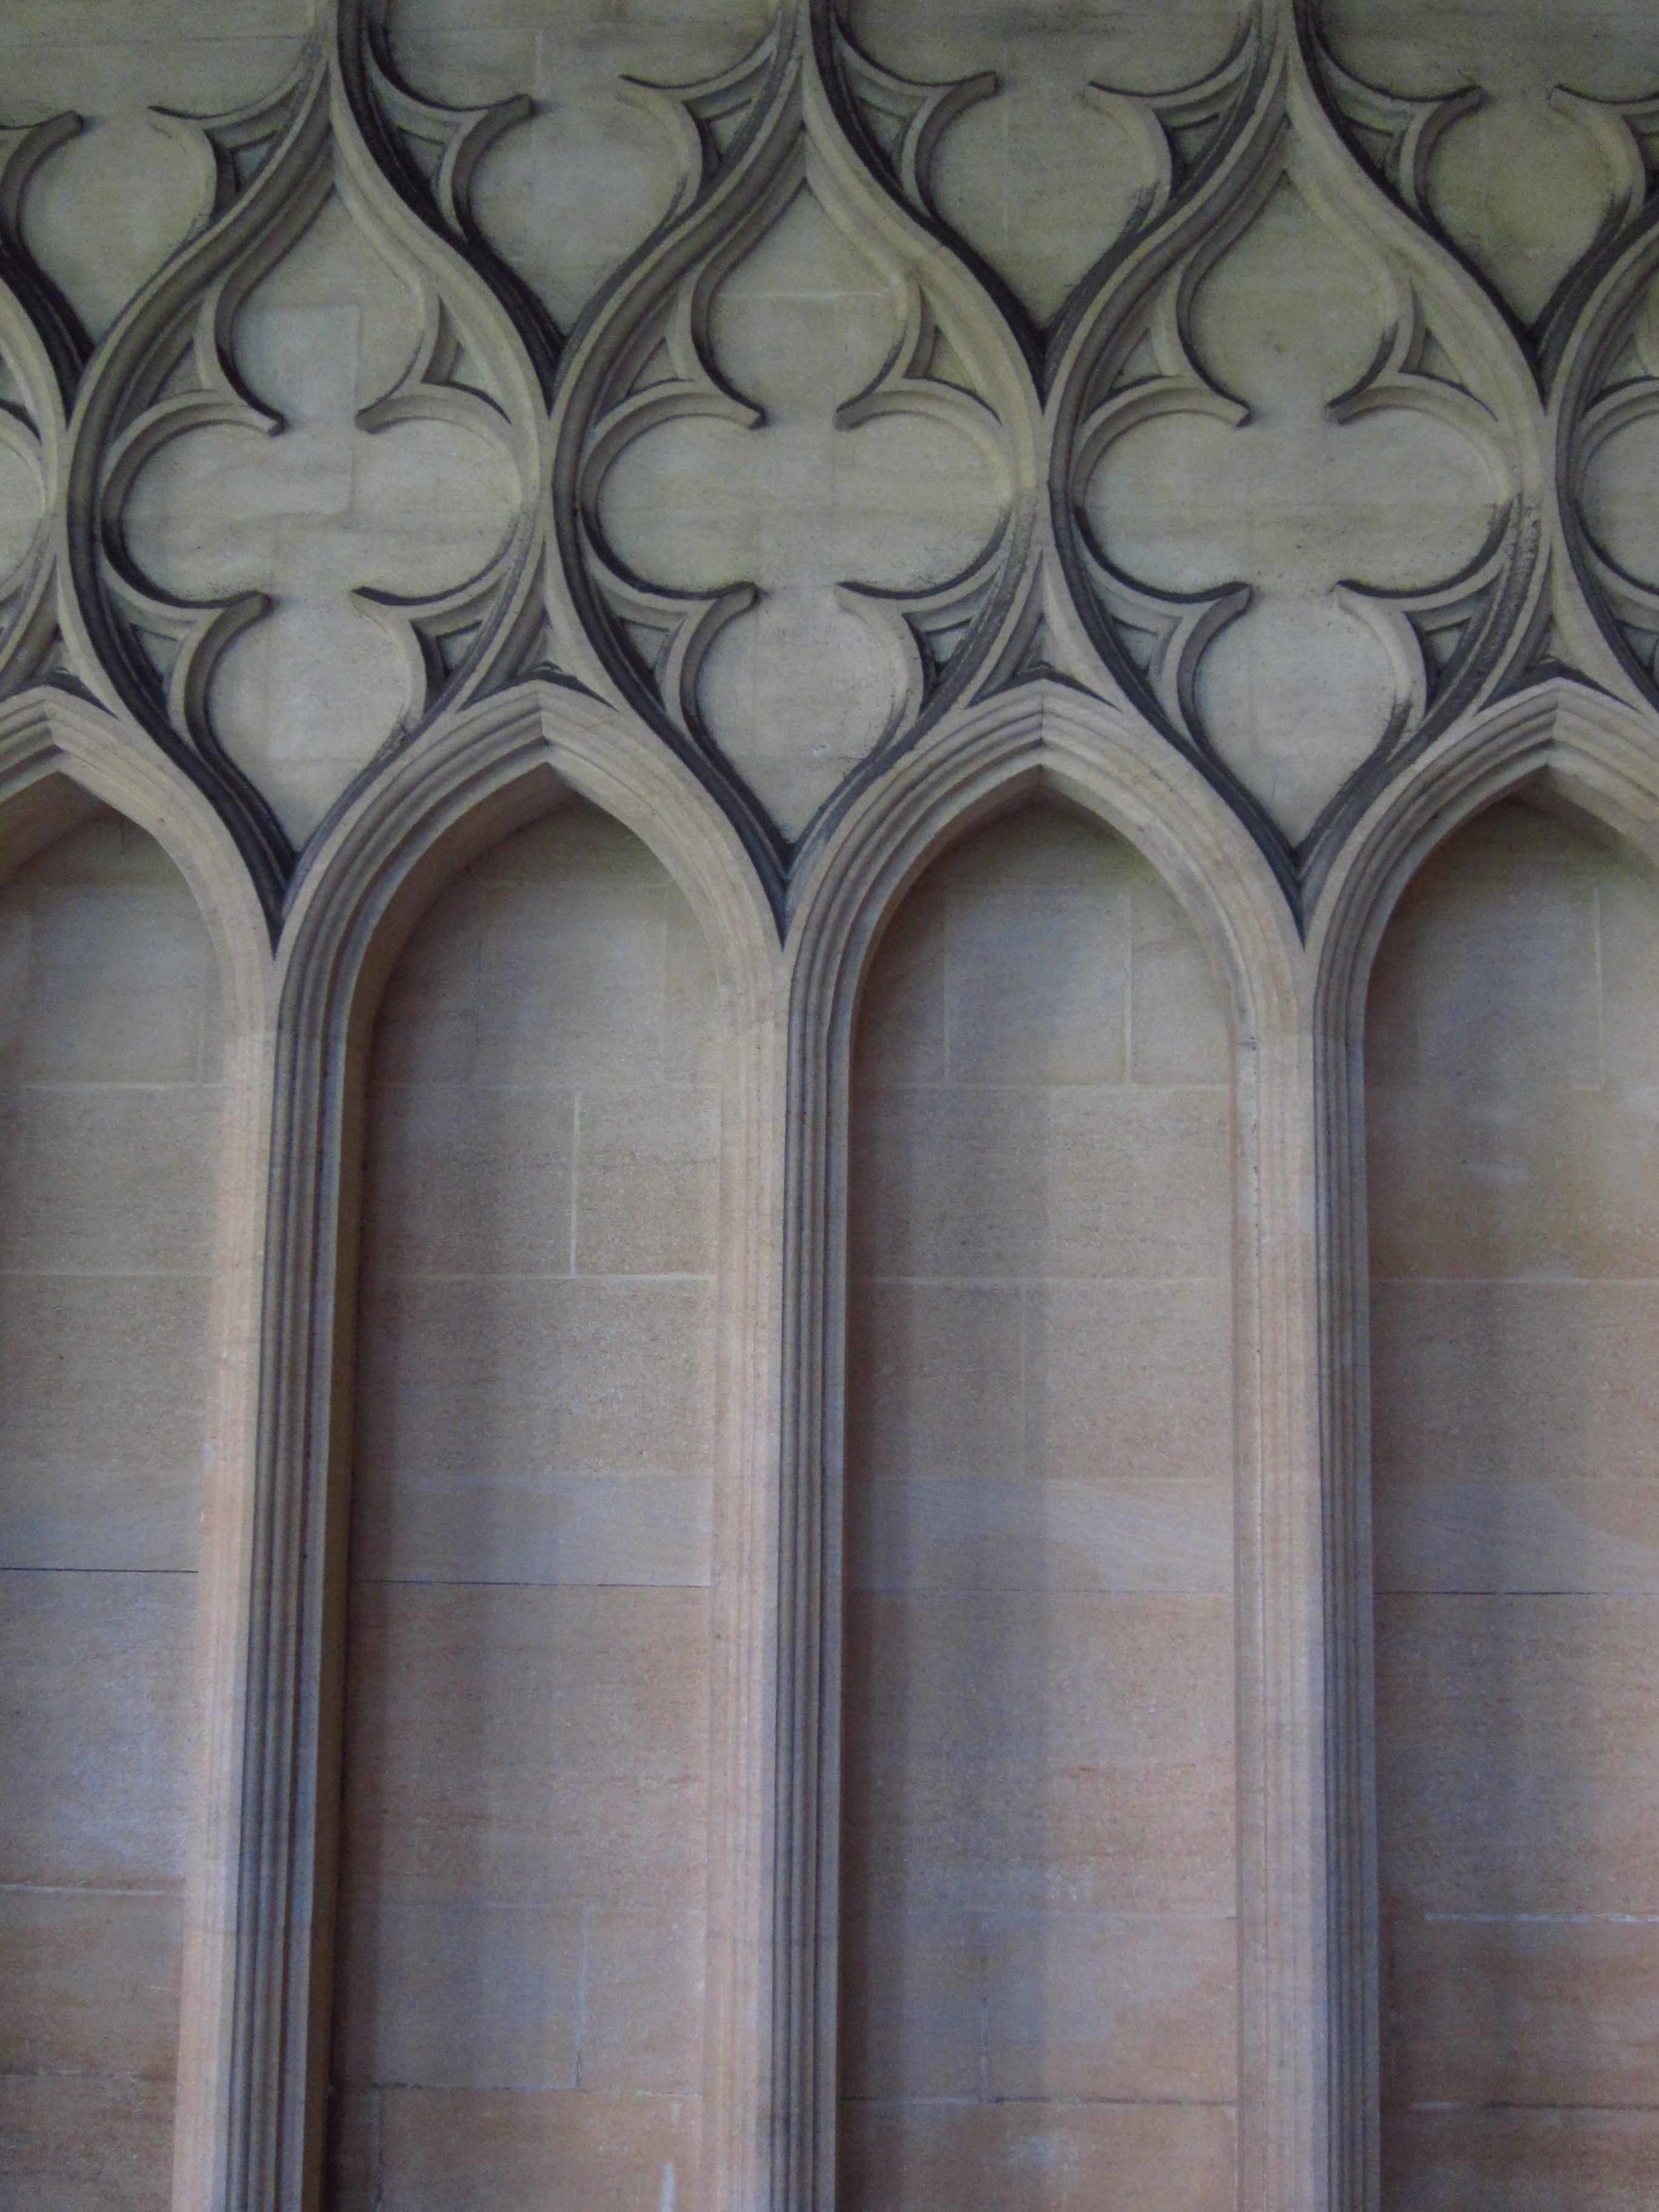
[(519, 1991), (1512, 1070), (1039, 1950), (110, 1119)]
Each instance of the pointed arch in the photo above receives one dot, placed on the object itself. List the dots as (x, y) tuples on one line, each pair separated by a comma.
[(62, 759), (470, 780), (59, 754), (1114, 768), (1595, 755)]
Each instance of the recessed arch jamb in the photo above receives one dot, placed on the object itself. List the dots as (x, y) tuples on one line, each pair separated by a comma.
[(1600, 755), (1115, 769), (47, 732), (60, 757), (471, 780)]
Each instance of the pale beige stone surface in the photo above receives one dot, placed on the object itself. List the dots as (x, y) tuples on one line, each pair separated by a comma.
[(1514, 1312), (1040, 1955), (568, 193), (1099, 1451), (321, 510), (1042, 2158), (1513, 2161), (520, 1975), (110, 1114)]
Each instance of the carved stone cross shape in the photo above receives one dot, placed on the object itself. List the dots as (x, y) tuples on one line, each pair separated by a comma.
[(798, 688), (1296, 693), (314, 515)]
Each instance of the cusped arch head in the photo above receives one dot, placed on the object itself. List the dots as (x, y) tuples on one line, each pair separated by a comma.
[(1048, 737), (471, 780), (1579, 748), (62, 758)]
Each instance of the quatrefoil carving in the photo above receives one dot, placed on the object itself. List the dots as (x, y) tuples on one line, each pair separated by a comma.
[(833, 510), (804, 471), (1267, 491), (322, 153), (299, 550)]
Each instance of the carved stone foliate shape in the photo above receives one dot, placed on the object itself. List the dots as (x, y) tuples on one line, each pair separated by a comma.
[(302, 458), (790, 482), (1205, 365)]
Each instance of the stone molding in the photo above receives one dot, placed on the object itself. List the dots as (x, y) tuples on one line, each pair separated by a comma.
[(531, 680), (1042, 408)]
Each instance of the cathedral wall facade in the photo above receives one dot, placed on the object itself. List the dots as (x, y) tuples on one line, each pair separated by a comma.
[(829, 1071)]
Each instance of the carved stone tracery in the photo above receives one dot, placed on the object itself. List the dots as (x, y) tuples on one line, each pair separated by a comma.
[(812, 121), (1048, 622)]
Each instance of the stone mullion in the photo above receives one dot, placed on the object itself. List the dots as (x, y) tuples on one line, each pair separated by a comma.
[(1351, 1791), (207, 2041), (805, 1784), (1290, 1975), (751, 1627), (274, 2122)]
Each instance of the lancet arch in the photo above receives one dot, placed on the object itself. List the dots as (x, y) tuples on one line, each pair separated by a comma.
[(470, 783), (1582, 758), (135, 1079), (1109, 768)]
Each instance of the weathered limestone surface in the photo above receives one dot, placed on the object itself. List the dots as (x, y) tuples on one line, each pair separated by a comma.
[(109, 1126), (829, 1046), (1039, 1868), (523, 1867), (1513, 1046)]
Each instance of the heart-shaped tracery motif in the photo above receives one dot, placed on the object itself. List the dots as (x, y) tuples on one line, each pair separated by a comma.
[(1525, 133)]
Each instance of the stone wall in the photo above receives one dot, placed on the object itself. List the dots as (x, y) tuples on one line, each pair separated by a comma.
[(111, 1120), (828, 1023), (1039, 1971)]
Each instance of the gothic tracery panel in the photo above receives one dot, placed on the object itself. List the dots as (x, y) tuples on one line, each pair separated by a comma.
[(750, 402)]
